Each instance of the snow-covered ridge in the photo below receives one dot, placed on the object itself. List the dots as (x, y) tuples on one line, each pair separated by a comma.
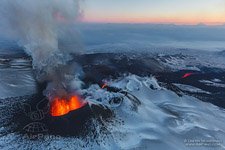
[(163, 120), (192, 61), (214, 83)]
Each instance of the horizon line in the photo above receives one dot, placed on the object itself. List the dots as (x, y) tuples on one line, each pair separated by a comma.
[(160, 23)]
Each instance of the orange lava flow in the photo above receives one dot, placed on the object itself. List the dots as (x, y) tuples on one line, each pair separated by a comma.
[(60, 106), (187, 75), (104, 85)]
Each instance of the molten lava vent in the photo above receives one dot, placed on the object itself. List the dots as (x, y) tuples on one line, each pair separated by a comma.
[(186, 75), (62, 106)]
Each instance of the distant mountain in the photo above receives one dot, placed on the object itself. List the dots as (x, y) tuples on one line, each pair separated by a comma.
[(221, 53)]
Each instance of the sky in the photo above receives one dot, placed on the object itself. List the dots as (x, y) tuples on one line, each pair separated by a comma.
[(155, 11)]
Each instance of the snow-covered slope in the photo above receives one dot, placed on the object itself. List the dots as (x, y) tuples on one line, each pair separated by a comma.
[(149, 116)]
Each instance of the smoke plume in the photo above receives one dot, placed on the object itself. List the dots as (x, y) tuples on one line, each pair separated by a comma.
[(44, 29)]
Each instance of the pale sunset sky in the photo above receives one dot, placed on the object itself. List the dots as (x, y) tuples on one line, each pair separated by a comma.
[(154, 11)]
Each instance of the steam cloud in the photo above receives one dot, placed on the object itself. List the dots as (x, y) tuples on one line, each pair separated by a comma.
[(43, 27)]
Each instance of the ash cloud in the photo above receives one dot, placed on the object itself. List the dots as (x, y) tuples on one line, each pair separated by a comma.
[(44, 30)]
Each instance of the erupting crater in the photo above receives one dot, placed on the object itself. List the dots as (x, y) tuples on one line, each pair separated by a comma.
[(62, 106)]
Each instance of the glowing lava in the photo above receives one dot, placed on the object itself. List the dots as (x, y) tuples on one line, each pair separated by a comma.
[(187, 75), (104, 85), (60, 106)]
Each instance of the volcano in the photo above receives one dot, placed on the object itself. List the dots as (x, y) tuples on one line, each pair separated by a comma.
[(122, 95)]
